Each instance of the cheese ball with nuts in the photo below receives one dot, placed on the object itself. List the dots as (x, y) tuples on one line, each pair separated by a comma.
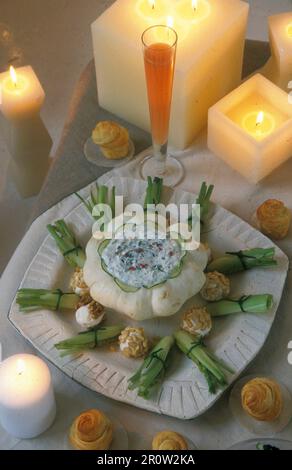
[(133, 342), (216, 287), (197, 321)]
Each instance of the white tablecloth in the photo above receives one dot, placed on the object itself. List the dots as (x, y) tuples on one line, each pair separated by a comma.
[(216, 429)]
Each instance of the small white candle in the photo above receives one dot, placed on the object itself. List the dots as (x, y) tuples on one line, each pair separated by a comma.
[(251, 128), (27, 139), (27, 403)]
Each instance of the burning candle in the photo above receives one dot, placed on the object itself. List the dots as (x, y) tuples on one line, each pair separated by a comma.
[(192, 11), (251, 128), (258, 124), (153, 10), (21, 93), (211, 37), (27, 403), (21, 98)]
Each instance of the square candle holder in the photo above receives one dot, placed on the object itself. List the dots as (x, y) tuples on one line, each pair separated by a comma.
[(251, 128)]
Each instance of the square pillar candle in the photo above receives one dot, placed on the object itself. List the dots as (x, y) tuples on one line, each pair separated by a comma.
[(279, 67), (209, 58), (251, 128)]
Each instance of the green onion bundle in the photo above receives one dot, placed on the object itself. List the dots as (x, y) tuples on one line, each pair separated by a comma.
[(153, 191), (204, 200), (246, 304), (210, 366), (34, 299), (153, 368), (90, 339), (99, 195), (67, 244), (243, 260)]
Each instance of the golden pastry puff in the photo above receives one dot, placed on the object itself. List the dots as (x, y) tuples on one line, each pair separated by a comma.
[(112, 138), (169, 440), (92, 430), (262, 399), (274, 219), (105, 132)]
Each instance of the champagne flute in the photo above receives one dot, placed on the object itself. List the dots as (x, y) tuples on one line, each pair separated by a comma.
[(159, 48)]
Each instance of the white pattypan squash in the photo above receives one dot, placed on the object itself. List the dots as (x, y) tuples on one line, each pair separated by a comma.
[(143, 278)]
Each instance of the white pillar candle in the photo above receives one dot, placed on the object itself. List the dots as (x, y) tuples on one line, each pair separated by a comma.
[(251, 128), (209, 58), (279, 67), (27, 403), (21, 98)]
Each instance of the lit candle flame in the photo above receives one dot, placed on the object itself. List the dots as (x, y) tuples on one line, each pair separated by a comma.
[(260, 118), (20, 366), (170, 21), (194, 4), (13, 75), (152, 4)]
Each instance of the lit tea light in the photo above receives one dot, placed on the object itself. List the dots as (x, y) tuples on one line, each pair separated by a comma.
[(259, 124), (151, 9), (251, 128), (192, 11)]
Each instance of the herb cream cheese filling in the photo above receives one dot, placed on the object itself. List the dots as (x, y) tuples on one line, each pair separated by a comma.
[(142, 263)]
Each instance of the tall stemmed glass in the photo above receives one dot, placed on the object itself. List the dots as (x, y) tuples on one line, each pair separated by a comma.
[(159, 48)]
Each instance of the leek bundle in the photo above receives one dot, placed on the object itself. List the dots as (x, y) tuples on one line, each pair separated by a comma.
[(153, 368), (246, 304), (243, 260), (203, 200), (210, 366), (67, 244), (90, 339), (99, 195), (34, 299), (153, 191)]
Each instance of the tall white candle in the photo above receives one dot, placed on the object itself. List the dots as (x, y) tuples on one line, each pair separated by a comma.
[(211, 37), (251, 128), (27, 139), (27, 403)]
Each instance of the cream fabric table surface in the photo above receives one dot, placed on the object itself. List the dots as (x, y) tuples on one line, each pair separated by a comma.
[(216, 429)]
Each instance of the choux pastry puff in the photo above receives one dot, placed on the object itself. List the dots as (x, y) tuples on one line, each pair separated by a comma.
[(91, 430), (112, 138), (261, 399), (169, 440)]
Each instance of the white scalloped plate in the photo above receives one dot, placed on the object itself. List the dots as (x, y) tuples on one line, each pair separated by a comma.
[(183, 394)]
